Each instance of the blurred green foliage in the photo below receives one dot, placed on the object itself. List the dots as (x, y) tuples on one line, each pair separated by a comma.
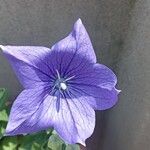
[(44, 140)]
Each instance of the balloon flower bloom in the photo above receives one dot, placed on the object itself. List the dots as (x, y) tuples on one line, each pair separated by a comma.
[(63, 85)]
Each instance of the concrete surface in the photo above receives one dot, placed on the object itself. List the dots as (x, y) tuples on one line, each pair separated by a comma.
[(128, 124)]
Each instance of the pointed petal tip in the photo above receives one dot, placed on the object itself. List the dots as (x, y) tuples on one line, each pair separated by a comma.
[(83, 144), (2, 47), (7, 132), (78, 22), (118, 91)]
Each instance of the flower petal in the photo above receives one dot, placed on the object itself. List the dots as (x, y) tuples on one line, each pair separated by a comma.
[(74, 122), (34, 111), (84, 45), (94, 75), (96, 83), (25, 106), (77, 43), (28, 64), (98, 98)]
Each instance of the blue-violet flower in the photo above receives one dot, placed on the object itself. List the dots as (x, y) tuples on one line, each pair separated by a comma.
[(62, 87)]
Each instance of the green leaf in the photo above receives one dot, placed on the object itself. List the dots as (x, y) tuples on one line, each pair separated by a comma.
[(3, 121), (2, 128), (8, 143), (34, 141), (72, 147), (3, 115), (55, 143), (3, 97)]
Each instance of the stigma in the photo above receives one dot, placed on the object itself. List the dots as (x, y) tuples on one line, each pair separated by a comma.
[(63, 86)]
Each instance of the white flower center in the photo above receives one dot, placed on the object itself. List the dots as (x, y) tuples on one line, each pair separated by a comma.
[(61, 83), (63, 86)]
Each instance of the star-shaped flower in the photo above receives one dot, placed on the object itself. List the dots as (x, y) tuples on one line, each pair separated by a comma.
[(62, 87)]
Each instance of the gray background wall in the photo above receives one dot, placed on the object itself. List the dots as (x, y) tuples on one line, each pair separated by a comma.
[(120, 32)]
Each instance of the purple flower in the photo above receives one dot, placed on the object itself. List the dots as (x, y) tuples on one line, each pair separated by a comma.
[(63, 86)]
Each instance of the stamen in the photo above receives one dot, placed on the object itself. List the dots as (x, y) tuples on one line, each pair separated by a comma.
[(60, 83), (69, 78), (58, 75)]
